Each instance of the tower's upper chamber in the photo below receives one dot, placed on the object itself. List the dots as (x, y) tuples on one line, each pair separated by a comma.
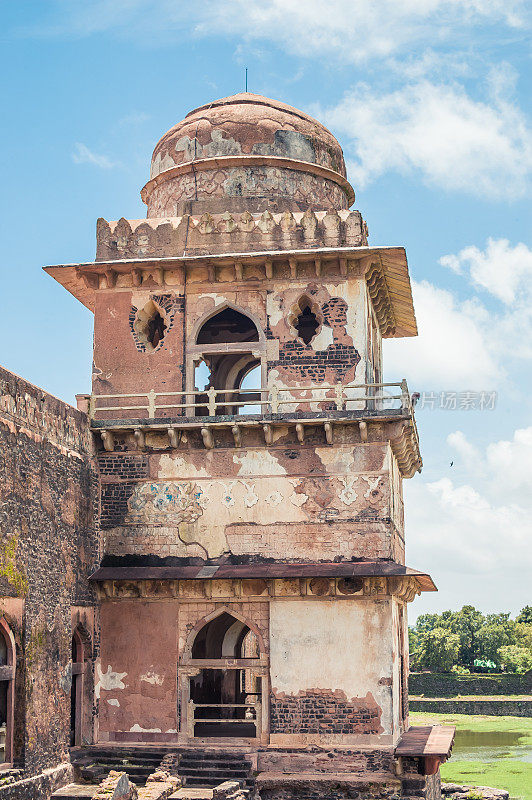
[(246, 153)]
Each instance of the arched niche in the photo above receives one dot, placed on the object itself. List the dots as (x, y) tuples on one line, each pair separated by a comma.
[(305, 319), (80, 700)]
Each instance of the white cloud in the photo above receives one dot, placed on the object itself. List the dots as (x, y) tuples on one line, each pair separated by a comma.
[(475, 539), (500, 269), (82, 155), (468, 453), (510, 465), (452, 351), (348, 30), (504, 271), (439, 133), (467, 344)]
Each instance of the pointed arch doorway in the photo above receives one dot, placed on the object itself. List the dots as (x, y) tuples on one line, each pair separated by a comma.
[(223, 682)]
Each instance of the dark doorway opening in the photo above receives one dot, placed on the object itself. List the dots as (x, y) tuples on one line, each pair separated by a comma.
[(226, 700)]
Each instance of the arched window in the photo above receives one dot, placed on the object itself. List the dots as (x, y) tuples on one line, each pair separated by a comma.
[(228, 325), (223, 358), (7, 691), (306, 319)]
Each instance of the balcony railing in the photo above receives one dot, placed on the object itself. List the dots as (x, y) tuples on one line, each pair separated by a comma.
[(315, 398)]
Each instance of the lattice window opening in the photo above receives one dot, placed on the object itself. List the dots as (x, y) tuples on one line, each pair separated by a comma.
[(151, 325), (306, 319)]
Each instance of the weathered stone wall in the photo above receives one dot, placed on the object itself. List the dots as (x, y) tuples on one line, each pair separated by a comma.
[(325, 685), (299, 190), (432, 684), (50, 545), (38, 787), (329, 759), (228, 232), (123, 362), (142, 642)]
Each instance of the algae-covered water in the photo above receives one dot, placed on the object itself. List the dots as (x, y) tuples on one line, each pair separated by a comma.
[(488, 751)]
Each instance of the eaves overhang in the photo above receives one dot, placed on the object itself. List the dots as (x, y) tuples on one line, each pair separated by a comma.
[(388, 569), (84, 279)]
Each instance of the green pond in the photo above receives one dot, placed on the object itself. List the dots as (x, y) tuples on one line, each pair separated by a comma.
[(488, 751)]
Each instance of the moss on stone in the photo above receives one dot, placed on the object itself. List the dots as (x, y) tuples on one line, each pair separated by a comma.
[(9, 570)]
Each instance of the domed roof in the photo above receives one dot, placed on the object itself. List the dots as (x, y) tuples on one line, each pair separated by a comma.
[(247, 125)]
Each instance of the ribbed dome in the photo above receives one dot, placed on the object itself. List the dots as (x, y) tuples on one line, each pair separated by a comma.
[(247, 124)]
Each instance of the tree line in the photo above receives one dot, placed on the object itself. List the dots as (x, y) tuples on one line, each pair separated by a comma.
[(470, 641)]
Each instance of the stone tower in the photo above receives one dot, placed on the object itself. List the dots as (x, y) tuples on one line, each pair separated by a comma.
[(252, 589)]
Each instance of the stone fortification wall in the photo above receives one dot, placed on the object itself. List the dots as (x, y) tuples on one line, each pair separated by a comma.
[(49, 546), (490, 706), (432, 684)]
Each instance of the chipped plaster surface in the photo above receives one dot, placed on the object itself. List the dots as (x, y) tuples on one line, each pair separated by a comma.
[(335, 647), (109, 680), (223, 501)]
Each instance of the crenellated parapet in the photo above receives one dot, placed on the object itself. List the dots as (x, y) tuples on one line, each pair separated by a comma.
[(228, 233)]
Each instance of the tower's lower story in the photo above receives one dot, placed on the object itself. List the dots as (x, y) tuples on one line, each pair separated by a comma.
[(252, 598)]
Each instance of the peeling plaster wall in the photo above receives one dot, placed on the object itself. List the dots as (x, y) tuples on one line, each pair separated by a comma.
[(122, 363), (337, 354), (136, 677), (331, 671), (310, 502), (50, 545)]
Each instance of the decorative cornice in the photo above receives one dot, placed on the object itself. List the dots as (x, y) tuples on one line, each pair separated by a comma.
[(228, 232), (158, 273), (404, 588), (380, 297)]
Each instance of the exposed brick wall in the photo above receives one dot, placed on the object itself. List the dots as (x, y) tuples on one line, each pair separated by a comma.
[(123, 465), (50, 545), (114, 497), (336, 363), (324, 712)]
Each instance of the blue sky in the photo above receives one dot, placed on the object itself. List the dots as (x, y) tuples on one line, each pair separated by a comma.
[(430, 100)]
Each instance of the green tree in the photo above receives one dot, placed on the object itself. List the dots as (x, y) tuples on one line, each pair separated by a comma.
[(525, 615), (437, 649), (523, 635), (465, 624), (514, 658), (499, 632)]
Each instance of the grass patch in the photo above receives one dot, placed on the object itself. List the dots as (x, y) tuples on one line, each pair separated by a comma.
[(499, 766)]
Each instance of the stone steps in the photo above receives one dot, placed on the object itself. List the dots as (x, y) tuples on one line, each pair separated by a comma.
[(210, 768), (93, 764)]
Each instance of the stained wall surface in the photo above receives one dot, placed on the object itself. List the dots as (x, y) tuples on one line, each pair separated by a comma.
[(331, 671), (136, 678), (338, 353), (288, 501)]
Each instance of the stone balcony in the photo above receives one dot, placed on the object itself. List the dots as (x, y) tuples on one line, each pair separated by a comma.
[(332, 414)]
